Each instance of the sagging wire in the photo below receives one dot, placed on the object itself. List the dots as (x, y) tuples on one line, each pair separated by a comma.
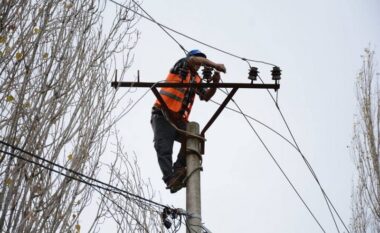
[(95, 184), (120, 207), (259, 122), (276, 73), (276, 76), (282, 171), (150, 19), (275, 161), (74, 175), (188, 37), (96, 187), (327, 199)]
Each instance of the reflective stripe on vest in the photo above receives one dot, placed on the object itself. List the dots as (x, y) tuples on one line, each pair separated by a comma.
[(170, 95)]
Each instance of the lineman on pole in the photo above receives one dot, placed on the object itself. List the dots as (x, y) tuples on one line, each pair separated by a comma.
[(179, 102)]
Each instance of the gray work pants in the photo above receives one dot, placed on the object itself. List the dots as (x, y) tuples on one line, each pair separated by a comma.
[(164, 136)]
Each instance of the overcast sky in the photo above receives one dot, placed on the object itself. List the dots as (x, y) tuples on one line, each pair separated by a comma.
[(318, 45)]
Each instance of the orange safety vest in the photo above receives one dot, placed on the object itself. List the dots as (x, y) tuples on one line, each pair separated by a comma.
[(174, 96)]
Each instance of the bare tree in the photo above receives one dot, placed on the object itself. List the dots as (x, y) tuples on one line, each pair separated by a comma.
[(56, 58), (365, 148), (130, 214)]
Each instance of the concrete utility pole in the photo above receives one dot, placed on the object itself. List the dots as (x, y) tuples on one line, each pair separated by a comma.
[(195, 145), (193, 187)]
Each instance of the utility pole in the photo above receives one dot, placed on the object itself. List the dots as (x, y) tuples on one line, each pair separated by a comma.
[(195, 144), (193, 186)]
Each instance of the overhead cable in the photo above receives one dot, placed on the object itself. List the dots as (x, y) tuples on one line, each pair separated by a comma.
[(327, 199), (275, 161), (259, 122), (150, 19), (189, 37), (78, 176), (279, 166)]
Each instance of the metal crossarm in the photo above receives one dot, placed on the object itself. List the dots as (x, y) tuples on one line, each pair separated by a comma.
[(116, 84), (220, 109), (235, 86)]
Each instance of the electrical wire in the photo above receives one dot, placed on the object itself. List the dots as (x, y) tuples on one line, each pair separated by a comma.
[(279, 167), (78, 176), (150, 19), (259, 122), (273, 158), (327, 199), (295, 145), (297, 148), (285, 139), (79, 179), (118, 206), (163, 27), (189, 37)]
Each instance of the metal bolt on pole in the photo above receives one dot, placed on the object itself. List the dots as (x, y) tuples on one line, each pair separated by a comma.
[(193, 188)]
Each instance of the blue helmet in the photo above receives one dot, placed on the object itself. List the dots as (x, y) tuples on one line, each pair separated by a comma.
[(197, 53)]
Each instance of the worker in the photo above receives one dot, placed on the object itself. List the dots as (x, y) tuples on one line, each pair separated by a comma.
[(179, 102)]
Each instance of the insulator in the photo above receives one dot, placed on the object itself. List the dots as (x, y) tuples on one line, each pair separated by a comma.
[(253, 73), (207, 73), (276, 73)]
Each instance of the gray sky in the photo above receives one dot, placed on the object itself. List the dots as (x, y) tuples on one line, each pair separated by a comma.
[(318, 45)]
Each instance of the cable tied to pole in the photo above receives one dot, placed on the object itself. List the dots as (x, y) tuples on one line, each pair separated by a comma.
[(200, 168)]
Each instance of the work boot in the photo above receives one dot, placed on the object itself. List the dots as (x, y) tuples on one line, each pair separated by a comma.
[(175, 183)]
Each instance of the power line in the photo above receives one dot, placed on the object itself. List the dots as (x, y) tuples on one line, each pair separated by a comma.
[(279, 166), (259, 122), (186, 36), (276, 162), (273, 158), (94, 182), (327, 199), (163, 27), (296, 148), (79, 179), (150, 19)]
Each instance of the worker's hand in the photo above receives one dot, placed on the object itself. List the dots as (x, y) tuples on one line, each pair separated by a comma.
[(216, 77), (220, 67)]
